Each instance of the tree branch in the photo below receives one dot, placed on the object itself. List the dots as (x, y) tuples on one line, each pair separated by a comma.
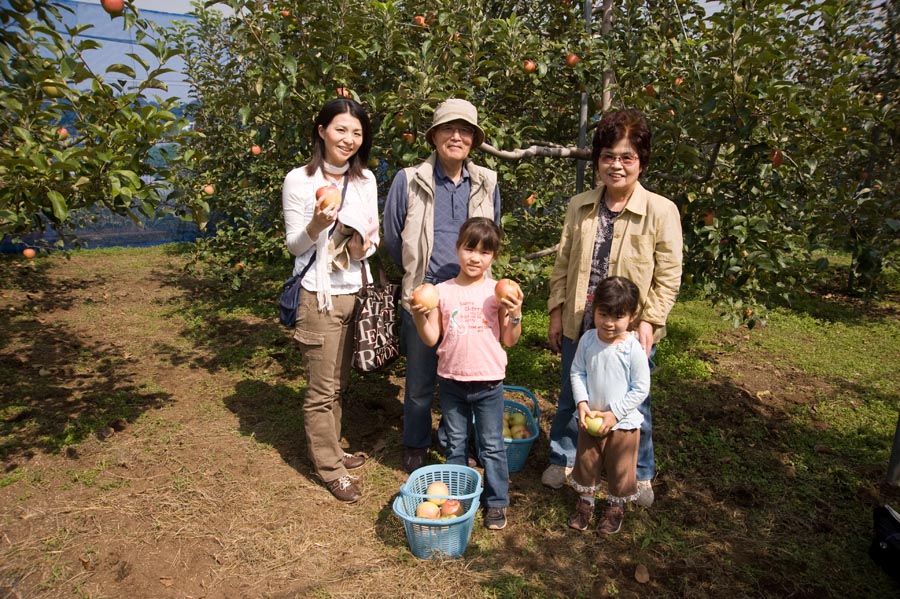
[(538, 150), (535, 255)]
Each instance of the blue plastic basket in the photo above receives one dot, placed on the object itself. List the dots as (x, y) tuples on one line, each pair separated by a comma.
[(429, 538), (517, 450)]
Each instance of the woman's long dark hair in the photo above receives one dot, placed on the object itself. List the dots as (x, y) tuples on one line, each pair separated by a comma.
[(331, 109)]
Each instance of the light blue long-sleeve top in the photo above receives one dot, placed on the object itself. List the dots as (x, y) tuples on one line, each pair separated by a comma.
[(611, 377)]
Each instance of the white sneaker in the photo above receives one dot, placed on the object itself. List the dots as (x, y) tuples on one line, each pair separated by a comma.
[(555, 476), (645, 494)]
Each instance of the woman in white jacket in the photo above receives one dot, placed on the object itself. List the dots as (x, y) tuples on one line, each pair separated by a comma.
[(331, 253)]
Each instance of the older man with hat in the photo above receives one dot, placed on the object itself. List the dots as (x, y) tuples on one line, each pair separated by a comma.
[(426, 206)]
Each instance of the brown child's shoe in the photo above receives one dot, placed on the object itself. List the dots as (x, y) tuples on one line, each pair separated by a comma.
[(344, 489), (611, 521), (580, 520)]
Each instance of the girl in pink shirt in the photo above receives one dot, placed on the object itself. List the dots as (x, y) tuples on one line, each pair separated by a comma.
[(470, 323)]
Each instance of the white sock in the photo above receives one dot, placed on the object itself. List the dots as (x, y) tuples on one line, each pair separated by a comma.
[(589, 499)]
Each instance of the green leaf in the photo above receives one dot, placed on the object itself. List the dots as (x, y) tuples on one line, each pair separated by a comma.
[(60, 209)]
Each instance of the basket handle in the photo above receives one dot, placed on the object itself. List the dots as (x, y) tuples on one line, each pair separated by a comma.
[(537, 409)]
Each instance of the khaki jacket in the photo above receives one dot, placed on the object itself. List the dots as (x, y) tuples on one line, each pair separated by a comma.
[(417, 237), (646, 248)]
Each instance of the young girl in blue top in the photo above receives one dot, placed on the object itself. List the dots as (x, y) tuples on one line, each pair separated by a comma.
[(610, 378)]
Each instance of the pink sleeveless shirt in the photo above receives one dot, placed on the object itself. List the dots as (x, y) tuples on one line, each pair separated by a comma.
[(470, 348)]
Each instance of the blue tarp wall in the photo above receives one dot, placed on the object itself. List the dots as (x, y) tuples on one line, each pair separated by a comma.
[(109, 230)]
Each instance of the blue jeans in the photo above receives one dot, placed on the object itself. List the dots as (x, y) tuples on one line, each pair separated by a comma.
[(564, 428), (460, 401), (421, 377)]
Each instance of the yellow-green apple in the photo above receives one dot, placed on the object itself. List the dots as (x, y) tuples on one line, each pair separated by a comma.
[(593, 424), (426, 509), (425, 295), (437, 488)]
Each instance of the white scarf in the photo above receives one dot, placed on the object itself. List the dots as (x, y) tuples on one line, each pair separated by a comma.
[(323, 257)]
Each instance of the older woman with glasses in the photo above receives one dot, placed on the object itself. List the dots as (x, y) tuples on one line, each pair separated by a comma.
[(617, 229)]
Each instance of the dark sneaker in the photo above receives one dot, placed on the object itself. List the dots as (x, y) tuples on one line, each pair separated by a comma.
[(611, 521), (580, 520), (344, 490), (352, 462), (495, 518), (414, 458)]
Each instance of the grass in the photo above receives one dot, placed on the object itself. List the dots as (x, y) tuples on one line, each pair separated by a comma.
[(772, 445)]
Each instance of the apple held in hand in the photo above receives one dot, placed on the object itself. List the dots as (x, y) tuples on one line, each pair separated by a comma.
[(594, 425), (327, 196), (425, 295), (507, 289)]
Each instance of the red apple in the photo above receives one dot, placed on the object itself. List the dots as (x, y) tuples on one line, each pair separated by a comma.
[(709, 218), (452, 507), (29, 253), (529, 66), (437, 488), (209, 189), (507, 289), (285, 13), (777, 158), (427, 509), (425, 295), (62, 133), (256, 150), (679, 81), (327, 196), (343, 92), (572, 59), (419, 20), (409, 137), (529, 200), (650, 90), (113, 7)]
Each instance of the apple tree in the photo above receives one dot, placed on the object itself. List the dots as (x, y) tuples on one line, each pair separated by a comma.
[(73, 140), (764, 115)]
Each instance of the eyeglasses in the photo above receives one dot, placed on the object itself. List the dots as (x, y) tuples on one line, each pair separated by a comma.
[(463, 130), (625, 159)]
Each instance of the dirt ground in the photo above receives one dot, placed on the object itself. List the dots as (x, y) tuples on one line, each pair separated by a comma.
[(187, 478)]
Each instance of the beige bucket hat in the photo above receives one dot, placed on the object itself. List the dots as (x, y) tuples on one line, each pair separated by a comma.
[(456, 109)]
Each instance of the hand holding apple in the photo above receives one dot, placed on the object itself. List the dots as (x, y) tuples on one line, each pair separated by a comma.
[(424, 298), (328, 202)]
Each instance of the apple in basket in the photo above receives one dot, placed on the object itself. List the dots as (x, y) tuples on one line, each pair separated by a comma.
[(516, 419), (451, 508), (523, 433), (426, 509), (425, 295), (437, 488)]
